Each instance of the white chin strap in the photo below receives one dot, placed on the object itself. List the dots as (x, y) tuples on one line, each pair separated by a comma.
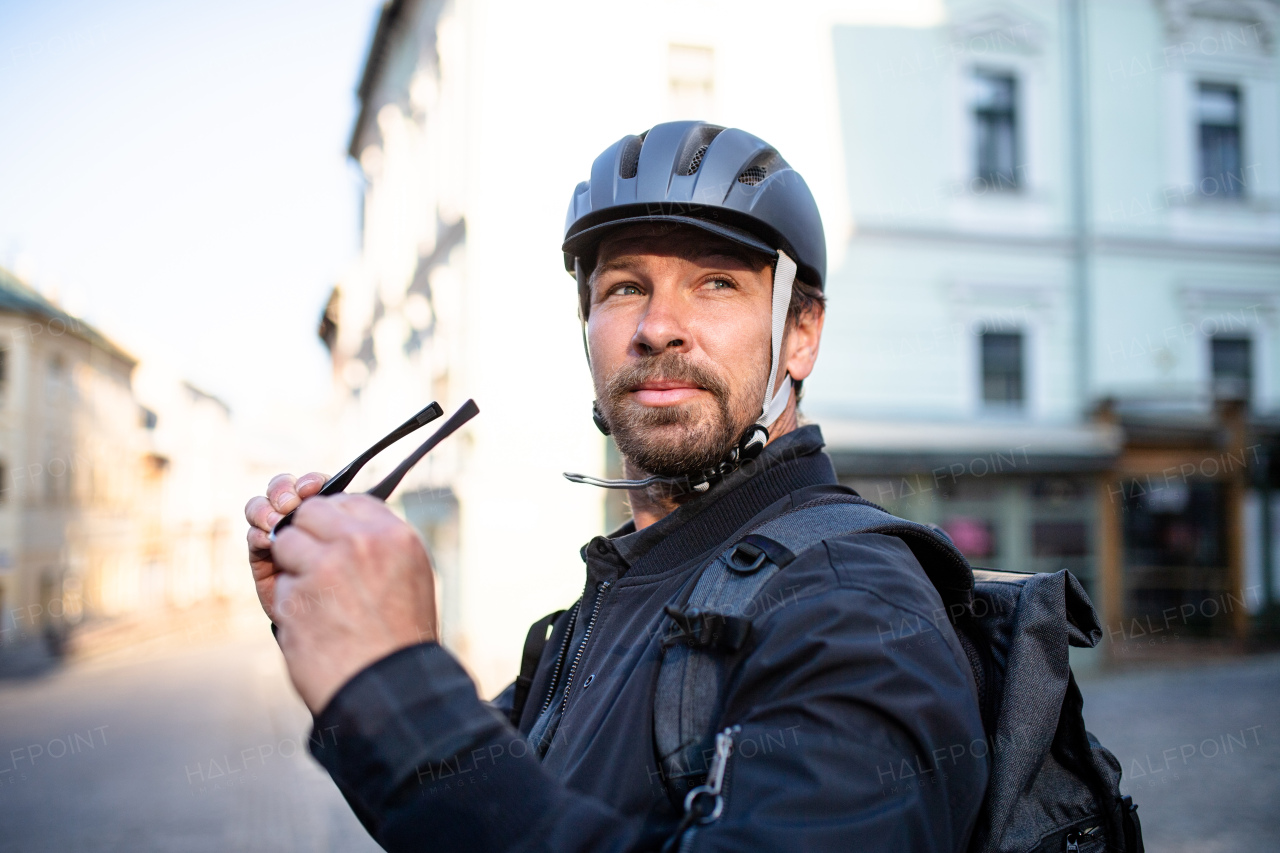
[(784, 277), (779, 404)]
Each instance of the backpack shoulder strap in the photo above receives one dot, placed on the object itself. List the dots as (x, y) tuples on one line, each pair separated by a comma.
[(714, 620), (535, 642)]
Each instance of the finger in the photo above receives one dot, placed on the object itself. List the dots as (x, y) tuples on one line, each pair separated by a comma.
[(372, 516), (262, 568), (298, 595), (295, 551), (259, 512), (327, 518), (364, 507), (309, 484), (259, 540), (284, 593), (283, 494)]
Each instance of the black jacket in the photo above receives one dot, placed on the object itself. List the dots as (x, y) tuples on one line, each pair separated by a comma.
[(858, 710)]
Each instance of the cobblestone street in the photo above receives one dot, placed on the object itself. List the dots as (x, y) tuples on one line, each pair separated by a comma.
[(202, 748)]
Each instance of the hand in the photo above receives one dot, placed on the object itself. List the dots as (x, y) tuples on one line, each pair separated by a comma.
[(354, 585), (283, 496)]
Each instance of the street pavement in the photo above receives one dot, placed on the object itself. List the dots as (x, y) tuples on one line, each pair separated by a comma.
[(202, 747), (1199, 744), (185, 748)]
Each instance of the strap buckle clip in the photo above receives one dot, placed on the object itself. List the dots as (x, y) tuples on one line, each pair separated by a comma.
[(706, 629)]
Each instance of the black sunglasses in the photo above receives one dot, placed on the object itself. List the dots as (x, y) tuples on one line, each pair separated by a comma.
[(339, 481)]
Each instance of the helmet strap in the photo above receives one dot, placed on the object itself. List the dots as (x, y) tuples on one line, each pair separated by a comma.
[(580, 274), (784, 277)]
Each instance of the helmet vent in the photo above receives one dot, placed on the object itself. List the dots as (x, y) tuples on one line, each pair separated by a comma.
[(697, 160), (629, 162), (752, 176)]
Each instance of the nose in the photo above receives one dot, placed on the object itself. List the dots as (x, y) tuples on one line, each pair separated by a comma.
[(662, 326)]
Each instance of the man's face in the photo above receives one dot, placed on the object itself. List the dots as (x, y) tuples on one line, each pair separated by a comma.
[(679, 328)]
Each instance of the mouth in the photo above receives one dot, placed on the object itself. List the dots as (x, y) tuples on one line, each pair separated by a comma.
[(665, 392)]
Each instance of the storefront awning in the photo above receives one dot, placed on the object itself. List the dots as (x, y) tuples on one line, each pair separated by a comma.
[(879, 448)]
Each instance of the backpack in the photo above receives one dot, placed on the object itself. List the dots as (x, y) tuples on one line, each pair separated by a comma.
[(1059, 790)]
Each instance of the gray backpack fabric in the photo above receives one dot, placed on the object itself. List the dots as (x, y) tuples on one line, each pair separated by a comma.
[(1058, 790)]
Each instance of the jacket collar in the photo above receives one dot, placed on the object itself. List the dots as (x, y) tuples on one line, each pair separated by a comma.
[(788, 464)]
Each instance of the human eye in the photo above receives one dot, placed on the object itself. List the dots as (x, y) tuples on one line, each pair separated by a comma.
[(721, 283), (624, 290)]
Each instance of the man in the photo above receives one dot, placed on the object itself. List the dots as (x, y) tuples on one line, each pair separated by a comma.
[(700, 263)]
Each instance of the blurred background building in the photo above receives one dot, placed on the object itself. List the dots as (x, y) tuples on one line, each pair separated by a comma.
[(1055, 241), (1054, 296), (118, 482), (1054, 333)]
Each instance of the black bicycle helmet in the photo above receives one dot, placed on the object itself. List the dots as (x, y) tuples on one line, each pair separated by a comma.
[(722, 180)]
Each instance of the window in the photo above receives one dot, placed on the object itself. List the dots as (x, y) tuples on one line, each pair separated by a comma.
[(993, 100), (1175, 539), (55, 381), (1218, 112), (1002, 384), (1057, 538), (1232, 366)]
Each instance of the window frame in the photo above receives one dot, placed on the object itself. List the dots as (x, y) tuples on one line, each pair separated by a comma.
[(988, 404), (981, 118), (1223, 187), (1217, 379)]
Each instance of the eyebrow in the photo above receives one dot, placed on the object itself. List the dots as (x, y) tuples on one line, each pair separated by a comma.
[(625, 262)]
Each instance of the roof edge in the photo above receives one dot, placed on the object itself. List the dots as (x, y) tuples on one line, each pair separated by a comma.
[(18, 297), (375, 61)]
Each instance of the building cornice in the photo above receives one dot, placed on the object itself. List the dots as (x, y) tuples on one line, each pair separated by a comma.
[(1180, 15), (1099, 244)]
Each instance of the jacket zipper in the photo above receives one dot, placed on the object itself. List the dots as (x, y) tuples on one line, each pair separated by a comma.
[(564, 651), (586, 635)]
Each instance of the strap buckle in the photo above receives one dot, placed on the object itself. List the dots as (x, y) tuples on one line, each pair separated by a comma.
[(706, 629), (746, 558)]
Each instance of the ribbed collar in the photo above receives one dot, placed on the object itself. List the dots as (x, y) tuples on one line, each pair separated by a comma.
[(788, 464)]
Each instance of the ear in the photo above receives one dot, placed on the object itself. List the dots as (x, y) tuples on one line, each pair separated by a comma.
[(800, 350)]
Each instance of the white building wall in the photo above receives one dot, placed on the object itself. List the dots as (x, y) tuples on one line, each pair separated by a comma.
[(935, 253), (1175, 260)]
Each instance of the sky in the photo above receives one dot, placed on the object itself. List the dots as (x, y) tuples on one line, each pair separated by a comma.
[(175, 173)]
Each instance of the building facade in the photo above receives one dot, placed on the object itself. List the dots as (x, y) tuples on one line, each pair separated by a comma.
[(108, 507), (1063, 278), (1054, 251), (72, 444)]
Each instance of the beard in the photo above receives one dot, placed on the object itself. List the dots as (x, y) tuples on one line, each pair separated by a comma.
[(673, 441)]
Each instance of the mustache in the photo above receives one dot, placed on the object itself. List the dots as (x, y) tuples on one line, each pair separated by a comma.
[(669, 366)]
